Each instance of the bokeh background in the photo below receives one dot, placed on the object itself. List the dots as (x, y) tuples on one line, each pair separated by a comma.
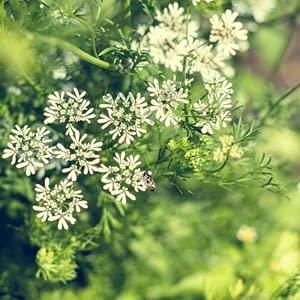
[(237, 243)]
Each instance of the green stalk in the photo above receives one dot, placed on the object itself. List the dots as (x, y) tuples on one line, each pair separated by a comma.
[(126, 12), (57, 42), (278, 102), (34, 85)]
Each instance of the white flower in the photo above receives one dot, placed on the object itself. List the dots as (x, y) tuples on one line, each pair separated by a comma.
[(69, 111), (247, 234), (120, 180), (174, 42), (200, 56), (164, 40), (261, 9), (59, 73), (227, 32), (174, 17), (166, 99), (14, 90), (164, 47), (125, 116), (215, 113), (29, 149), (217, 86), (58, 203), (195, 2), (84, 157)]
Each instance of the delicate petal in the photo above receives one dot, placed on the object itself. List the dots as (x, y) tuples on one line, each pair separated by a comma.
[(29, 148), (68, 111), (166, 100), (59, 203), (120, 181)]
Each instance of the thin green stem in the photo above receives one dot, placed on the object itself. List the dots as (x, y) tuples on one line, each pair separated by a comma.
[(278, 102), (98, 12), (276, 67), (91, 29), (94, 48), (35, 86), (222, 165), (126, 11), (54, 41)]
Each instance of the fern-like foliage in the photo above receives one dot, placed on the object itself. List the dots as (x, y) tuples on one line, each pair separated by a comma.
[(289, 288)]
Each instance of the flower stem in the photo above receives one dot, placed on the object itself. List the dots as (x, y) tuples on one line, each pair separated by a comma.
[(34, 85), (76, 51)]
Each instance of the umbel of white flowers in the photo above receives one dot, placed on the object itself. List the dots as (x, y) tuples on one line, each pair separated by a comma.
[(175, 42), (84, 157), (29, 149), (215, 111), (118, 180), (125, 116), (166, 99), (59, 203), (68, 111)]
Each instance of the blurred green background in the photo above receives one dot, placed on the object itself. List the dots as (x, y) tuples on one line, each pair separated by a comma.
[(240, 243)]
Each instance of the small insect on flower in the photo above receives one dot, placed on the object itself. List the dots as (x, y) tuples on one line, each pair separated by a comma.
[(124, 178), (148, 179)]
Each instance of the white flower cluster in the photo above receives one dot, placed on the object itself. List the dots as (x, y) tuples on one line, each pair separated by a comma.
[(166, 99), (215, 112), (201, 56), (261, 9), (195, 2), (175, 43), (83, 156), (120, 180), (166, 41), (32, 150), (59, 203), (68, 111), (125, 116), (227, 32), (29, 149)]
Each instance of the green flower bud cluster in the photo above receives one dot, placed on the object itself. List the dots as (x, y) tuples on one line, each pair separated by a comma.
[(196, 156), (228, 148), (56, 264)]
